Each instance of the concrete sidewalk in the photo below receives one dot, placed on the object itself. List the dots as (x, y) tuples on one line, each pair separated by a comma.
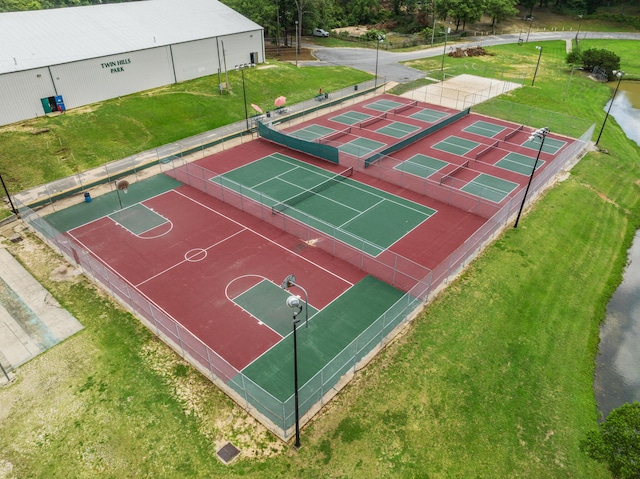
[(31, 320)]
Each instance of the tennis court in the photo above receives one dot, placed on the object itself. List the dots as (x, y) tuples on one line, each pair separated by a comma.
[(519, 163), (350, 117), (312, 132), (490, 187), (364, 217), (428, 115), (456, 145), (397, 129), (484, 128), (384, 105), (421, 165), (551, 145)]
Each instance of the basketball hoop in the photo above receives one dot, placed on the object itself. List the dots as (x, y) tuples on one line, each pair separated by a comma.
[(122, 185)]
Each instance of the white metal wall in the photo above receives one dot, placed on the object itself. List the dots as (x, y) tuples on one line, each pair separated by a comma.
[(97, 79), (20, 94)]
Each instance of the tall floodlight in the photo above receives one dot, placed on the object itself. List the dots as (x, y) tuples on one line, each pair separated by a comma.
[(537, 65), (529, 31), (379, 39), (241, 68), (294, 303), (444, 52), (541, 134), (578, 32), (618, 75), (13, 208)]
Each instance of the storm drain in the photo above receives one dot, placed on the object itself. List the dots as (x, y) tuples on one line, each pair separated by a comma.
[(228, 452)]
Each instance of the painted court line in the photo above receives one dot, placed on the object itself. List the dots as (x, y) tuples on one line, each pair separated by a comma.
[(266, 239)]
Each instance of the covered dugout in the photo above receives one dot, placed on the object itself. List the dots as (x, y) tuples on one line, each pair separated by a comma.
[(68, 57)]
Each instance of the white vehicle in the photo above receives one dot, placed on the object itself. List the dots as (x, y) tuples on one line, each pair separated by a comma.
[(319, 32)]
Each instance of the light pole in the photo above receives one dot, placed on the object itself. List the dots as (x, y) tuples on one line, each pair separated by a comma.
[(537, 65), (448, 30), (541, 134), (13, 208), (290, 281), (297, 43), (294, 303), (241, 68), (379, 39), (529, 31), (578, 32), (618, 74)]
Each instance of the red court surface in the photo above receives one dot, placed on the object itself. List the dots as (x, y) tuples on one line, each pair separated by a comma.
[(186, 270)]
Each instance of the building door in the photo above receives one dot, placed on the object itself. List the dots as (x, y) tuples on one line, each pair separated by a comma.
[(49, 104)]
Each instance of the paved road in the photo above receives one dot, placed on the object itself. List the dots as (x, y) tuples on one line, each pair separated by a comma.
[(390, 68)]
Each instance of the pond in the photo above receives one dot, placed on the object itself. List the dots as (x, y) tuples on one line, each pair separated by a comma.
[(617, 378)]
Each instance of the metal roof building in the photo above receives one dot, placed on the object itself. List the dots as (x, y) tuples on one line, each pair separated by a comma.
[(69, 57)]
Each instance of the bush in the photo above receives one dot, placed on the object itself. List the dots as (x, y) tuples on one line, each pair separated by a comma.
[(598, 57)]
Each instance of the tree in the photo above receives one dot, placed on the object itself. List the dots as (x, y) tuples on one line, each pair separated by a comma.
[(499, 10), (616, 442), (599, 57), (465, 11)]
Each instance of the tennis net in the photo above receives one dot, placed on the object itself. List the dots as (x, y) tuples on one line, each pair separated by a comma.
[(372, 120), (295, 199), (489, 148), (513, 132), (334, 135), (456, 170)]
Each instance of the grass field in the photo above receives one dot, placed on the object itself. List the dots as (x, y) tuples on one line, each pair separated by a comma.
[(493, 380), (96, 134)]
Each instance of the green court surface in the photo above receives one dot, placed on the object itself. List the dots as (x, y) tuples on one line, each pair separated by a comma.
[(489, 187), (384, 105), (484, 128), (361, 147), (364, 217), (456, 145), (329, 332), (104, 205), (421, 165), (138, 218), (551, 145), (397, 129), (266, 302), (430, 116), (312, 132), (350, 118), (518, 163)]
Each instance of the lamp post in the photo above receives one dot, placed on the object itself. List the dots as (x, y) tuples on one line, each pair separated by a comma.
[(379, 39), (241, 68), (294, 303), (578, 32), (529, 31), (13, 208), (537, 65), (618, 74), (542, 135), (448, 30), (297, 43)]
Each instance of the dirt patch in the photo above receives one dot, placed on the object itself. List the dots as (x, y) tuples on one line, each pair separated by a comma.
[(288, 54)]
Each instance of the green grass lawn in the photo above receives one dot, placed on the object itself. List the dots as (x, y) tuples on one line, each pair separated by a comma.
[(97, 134), (492, 380)]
